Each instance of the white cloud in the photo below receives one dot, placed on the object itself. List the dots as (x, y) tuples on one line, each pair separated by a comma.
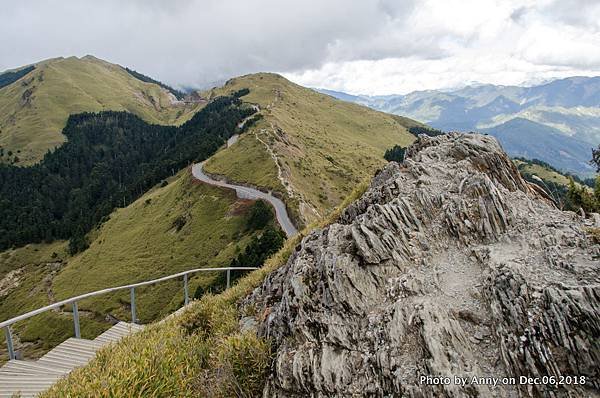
[(368, 46)]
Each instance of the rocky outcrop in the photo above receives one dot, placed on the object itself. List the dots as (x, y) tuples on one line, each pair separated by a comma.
[(449, 275)]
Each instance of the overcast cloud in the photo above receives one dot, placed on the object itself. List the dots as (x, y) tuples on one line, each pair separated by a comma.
[(369, 46)]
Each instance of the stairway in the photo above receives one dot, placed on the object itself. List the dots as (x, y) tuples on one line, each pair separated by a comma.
[(29, 378)]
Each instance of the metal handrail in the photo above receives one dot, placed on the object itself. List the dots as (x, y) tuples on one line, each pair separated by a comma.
[(73, 300)]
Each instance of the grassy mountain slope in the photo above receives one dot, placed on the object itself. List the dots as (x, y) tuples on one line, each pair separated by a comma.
[(143, 242), (35, 108), (544, 173), (139, 242), (201, 351), (311, 147), (558, 185), (547, 173)]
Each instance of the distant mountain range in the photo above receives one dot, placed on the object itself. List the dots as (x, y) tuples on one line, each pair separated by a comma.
[(557, 122)]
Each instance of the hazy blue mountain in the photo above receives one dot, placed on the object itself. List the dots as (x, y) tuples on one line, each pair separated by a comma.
[(524, 138), (569, 109), (340, 95)]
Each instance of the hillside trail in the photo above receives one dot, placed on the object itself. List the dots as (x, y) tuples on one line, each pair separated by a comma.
[(251, 193), (244, 192)]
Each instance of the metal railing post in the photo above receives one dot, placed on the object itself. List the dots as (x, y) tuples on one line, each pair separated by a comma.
[(132, 295), (76, 320), (9, 343), (186, 296), (6, 324)]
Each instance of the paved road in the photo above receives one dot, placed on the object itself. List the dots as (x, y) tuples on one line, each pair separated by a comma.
[(250, 193)]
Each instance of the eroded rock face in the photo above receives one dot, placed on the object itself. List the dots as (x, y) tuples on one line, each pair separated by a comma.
[(449, 265)]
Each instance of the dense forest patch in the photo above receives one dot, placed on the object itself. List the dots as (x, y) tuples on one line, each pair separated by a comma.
[(396, 154), (147, 79)]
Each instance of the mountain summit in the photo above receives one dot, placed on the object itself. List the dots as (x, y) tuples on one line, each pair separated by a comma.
[(35, 107)]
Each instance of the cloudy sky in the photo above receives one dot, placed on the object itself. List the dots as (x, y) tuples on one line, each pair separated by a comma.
[(362, 46)]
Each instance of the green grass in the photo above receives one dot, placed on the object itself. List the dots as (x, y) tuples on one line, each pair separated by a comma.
[(32, 291), (324, 146), (247, 161), (64, 86), (32, 254), (200, 352), (139, 242), (545, 173)]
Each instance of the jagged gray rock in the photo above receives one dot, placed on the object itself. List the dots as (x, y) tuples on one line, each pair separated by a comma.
[(449, 265)]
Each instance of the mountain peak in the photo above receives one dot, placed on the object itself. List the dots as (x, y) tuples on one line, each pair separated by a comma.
[(37, 105)]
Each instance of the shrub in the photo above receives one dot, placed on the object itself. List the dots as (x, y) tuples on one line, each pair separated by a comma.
[(395, 154), (241, 365), (580, 197), (260, 215), (416, 130), (78, 243)]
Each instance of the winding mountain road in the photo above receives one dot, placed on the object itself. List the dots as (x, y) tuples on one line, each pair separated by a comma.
[(250, 193)]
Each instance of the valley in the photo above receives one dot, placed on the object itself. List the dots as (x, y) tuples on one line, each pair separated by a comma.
[(327, 199)]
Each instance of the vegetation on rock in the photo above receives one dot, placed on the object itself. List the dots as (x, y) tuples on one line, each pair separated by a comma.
[(416, 130)]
